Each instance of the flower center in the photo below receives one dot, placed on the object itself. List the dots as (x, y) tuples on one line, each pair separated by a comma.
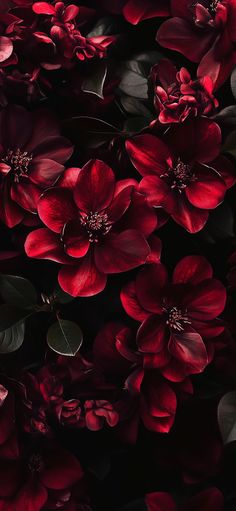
[(35, 463), (19, 162), (96, 225), (177, 318), (213, 6), (179, 176)]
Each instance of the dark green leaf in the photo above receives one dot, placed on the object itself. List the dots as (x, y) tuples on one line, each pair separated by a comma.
[(230, 144), (17, 291), (135, 124), (136, 107), (12, 338), (134, 80), (104, 26), (94, 83), (89, 131), (61, 296), (65, 337), (227, 417), (11, 315), (226, 116)]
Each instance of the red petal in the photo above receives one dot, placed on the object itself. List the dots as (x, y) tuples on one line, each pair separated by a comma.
[(189, 348), (44, 172), (56, 208), (10, 213), (75, 239), (95, 187), (208, 191), (131, 304), (26, 194), (16, 127), (105, 352), (136, 11), (226, 170), (32, 497), (153, 335), (44, 8), (71, 12), (149, 283), (121, 252), (207, 300), (44, 244), (158, 192), (62, 470), (6, 48), (69, 178), (55, 148), (84, 279), (191, 218), (159, 501), (119, 204), (148, 154), (193, 269), (140, 215), (207, 500)]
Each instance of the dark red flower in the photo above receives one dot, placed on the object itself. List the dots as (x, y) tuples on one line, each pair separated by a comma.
[(42, 472), (62, 29), (177, 97), (32, 154), (96, 228), (204, 32), (98, 413), (183, 172), (176, 318), (207, 500)]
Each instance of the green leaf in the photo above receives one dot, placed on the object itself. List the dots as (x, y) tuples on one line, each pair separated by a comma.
[(227, 417), (65, 337), (17, 291), (136, 107), (11, 315), (230, 144), (89, 131), (94, 83), (12, 338), (135, 124), (220, 224), (134, 80), (105, 26)]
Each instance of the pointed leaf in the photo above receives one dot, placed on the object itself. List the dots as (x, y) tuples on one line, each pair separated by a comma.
[(12, 338), (227, 417), (94, 83), (17, 291), (65, 337)]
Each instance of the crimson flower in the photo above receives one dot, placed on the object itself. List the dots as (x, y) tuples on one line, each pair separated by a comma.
[(204, 32), (32, 154), (207, 500), (177, 97), (98, 413), (176, 318), (43, 473), (96, 228), (65, 35), (183, 172), (136, 11)]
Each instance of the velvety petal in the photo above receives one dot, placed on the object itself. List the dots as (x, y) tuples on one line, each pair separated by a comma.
[(44, 244), (226, 170), (148, 154), (136, 11), (32, 497), (105, 352), (75, 239), (155, 245), (56, 207), (69, 178), (209, 329), (160, 501), (6, 48), (10, 212), (44, 8), (207, 300), (131, 304), (55, 148), (119, 204), (209, 189), (121, 252), (197, 139), (45, 125), (193, 269), (62, 470), (95, 187), (71, 12), (26, 194), (191, 218), (45, 172), (188, 347), (158, 404), (158, 192), (140, 215), (83, 279), (149, 283), (180, 35), (153, 335), (210, 499)]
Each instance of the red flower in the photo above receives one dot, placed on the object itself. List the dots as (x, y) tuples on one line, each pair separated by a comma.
[(207, 500), (31, 156), (176, 318), (96, 228), (41, 473), (204, 32), (183, 172), (177, 97), (98, 413), (65, 35)]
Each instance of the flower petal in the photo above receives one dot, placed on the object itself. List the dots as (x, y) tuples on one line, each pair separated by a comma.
[(82, 279), (45, 172), (191, 218), (44, 244), (188, 347), (121, 252), (55, 148), (207, 300), (6, 48), (56, 207), (61, 471), (95, 186), (26, 194), (158, 192), (75, 239), (209, 189), (131, 304), (193, 269), (149, 283), (148, 154)]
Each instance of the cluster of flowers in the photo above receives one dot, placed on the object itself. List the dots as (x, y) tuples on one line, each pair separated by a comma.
[(92, 223)]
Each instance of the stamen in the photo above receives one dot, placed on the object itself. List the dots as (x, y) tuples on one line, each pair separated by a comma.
[(96, 224), (177, 319), (19, 162)]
